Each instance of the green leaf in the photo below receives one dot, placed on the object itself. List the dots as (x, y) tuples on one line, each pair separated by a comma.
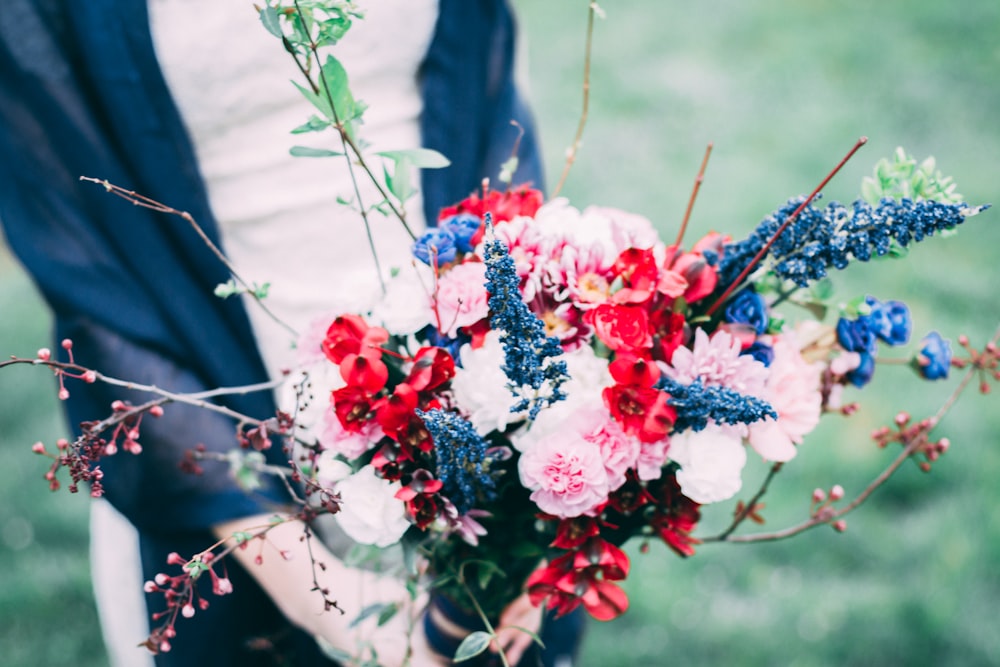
[(424, 158), (473, 645), (398, 180), (822, 289), (507, 169), (376, 609), (314, 124), (226, 289), (386, 614), (260, 291), (309, 151), (269, 17)]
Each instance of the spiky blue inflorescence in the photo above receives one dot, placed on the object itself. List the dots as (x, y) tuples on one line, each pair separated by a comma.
[(696, 403), (461, 455), (832, 236), (530, 357)]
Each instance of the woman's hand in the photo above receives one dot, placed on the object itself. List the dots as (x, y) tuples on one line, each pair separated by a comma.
[(514, 641)]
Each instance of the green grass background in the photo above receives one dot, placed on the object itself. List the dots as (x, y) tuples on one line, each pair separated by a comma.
[(783, 89)]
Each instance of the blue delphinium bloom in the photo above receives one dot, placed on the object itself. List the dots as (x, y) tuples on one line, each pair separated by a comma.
[(463, 228), (462, 466), (530, 356), (762, 352), (748, 307), (934, 359), (890, 320), (696, 404), (862, 375), (831, 237), (435, 246), (857, 335)]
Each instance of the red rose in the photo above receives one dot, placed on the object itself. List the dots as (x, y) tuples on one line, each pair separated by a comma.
[(621, 327)]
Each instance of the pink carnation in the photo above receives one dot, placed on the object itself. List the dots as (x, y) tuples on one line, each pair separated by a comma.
[(652, 458), (717, 362), (566, 474), (335, 438), (619, 450), (461, 297), (793, 390)]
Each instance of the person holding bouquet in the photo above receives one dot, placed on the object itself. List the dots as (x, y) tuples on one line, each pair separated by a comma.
[(185, 103)]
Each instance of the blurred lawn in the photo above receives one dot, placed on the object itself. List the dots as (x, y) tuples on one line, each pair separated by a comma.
[(783, 89)]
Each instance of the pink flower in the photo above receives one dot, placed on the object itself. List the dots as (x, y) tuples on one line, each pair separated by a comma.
[(349, 444), (566, 474), (618, 450), (652, 457), (717, 362), (793, 390), (711, 462), (461, 297)]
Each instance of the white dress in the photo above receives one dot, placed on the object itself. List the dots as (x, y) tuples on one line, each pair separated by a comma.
[(278, 215)]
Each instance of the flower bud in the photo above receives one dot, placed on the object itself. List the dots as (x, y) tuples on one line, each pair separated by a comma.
[(63, 393), (149, 587), (62, 443), (90, 377), (819, 495), (902, 418), (836, 493), (174, 558), (187, 611), (943, 445), (38, 448), (161, 579), (164, 646), (66, 344), (156, 411), (840, 525), (44, 354)]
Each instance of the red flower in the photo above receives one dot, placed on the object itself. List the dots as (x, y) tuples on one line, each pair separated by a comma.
[(350, 334), (368, 373), (676, 515), (620, 327), (397, 416), (628, 369), (583, 577), (421, 499), (353, 406), (701, 277), (642, 411), (432, 367), (637, 269), (668, 333), (504, 206)]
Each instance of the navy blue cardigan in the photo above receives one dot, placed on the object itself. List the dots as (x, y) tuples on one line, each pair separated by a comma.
[(81, 94)]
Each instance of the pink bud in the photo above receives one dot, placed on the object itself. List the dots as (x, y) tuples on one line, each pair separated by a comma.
[(63, 393), (118, 406), (90, 377), (202, 604), (287, 555), (174, 558), (164, 646), (836, 493), (169, 632), (62, 443), (222, 586), (187, 611), (44, 354), (819, 495), (925, 466), (156, 411), (133, 434), (66, 344), (149, 587), (38, 448), (963, 340), (110, 449), (840, 525), (161, 579), (902, 418), (943, 445)]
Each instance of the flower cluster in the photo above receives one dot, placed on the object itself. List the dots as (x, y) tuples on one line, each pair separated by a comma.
[(550, 382)]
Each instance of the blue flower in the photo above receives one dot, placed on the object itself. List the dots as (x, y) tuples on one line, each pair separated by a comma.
[(435, 247), (696, 404), (462, 464), (530, 364), (762, 352), (452, 345), (833, 236), (862, 375), (463, 228), (748, 307), (890, 320), (934, 359), (857, 335)]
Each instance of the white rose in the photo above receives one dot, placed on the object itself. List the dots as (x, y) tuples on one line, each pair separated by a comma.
[(406, 306), (711, 463), (480, 386), (369, 512)]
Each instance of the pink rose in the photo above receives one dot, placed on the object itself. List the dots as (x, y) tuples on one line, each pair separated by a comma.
[(618, 450), (565, 474), (652, 458), (461, 297)]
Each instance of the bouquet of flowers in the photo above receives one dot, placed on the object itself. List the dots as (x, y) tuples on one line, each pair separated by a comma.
[(542, 384)]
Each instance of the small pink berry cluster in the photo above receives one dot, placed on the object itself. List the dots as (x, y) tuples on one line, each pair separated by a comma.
[(88, 376), (822, 506), (181, 595), (986, 361), (914, 435)]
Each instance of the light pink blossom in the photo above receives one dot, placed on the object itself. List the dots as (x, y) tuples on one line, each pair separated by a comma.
[(566, 474), (717, 361), (793, 390), (652, 457), (335, 438), (618, 450), (461, 297), (711, 462)]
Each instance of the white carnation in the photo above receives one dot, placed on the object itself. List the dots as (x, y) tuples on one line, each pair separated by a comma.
[(406, 306), (480, 386), (369, 511), (711, 463)]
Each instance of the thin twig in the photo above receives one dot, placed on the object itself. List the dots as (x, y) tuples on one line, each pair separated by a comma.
[(146, 202), (749, 508), (767, 246), (694, 195), (571, 151)]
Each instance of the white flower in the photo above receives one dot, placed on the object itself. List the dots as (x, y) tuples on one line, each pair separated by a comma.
[(330, 470), (711, 463), (480, 386), (406, 306), (369, 511)]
